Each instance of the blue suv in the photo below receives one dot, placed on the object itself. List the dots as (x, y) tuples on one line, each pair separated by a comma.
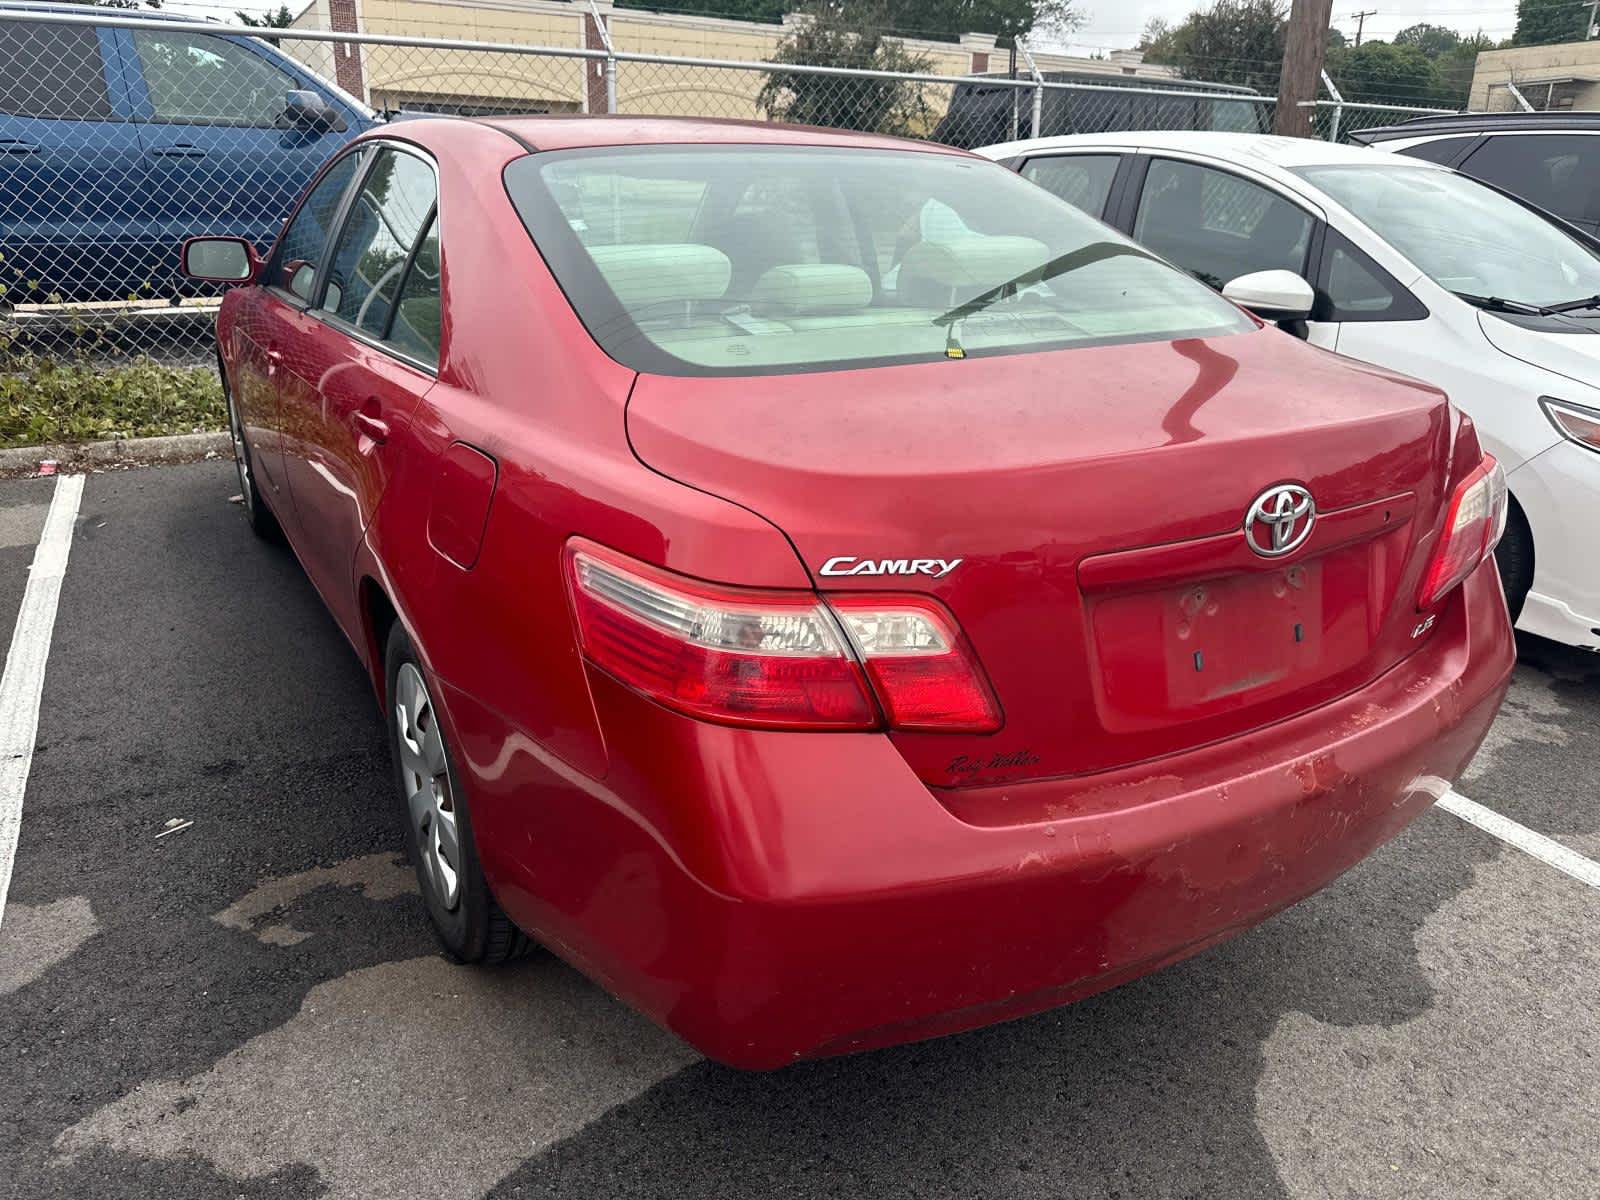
[(118, 143)]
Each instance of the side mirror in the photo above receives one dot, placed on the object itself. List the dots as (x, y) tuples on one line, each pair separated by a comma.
[(308, 110), (219, 259), (1272, 295)]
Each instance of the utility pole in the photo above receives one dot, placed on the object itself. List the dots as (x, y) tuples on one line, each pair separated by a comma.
[(1304, 47), (1360, 19)]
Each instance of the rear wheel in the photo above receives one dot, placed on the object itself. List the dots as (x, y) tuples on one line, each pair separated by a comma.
[(469, 922), (1514, 557), (262, 522)]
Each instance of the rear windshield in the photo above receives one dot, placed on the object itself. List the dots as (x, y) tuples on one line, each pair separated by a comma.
[(738, 260)]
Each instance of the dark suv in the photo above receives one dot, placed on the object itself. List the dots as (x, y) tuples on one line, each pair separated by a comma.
[(1549, 159), (986, 109)]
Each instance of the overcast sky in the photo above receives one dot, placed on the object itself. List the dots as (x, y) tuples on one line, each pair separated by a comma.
[(1111, 24)]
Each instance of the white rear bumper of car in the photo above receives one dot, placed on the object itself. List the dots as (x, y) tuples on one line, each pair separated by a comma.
[(1559, 491)]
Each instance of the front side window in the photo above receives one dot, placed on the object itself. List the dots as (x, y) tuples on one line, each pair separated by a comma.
[(388, 213), (53, 72), (300, 250), (1082, 180), (1354, 288), (197, 79), (1467, 238), (756, 259), (1219, 226)]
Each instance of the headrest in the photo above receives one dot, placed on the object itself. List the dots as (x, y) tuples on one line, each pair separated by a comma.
[(650, 272), (800, 288), (974, 260)]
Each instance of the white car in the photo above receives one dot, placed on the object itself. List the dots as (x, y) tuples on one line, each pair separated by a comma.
[(1402, 263)]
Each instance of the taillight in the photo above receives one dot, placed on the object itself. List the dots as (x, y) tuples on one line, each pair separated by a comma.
[(924, 672), (1472, 529), (775, 659)]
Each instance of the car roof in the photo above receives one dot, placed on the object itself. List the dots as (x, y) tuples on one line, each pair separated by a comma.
[(567, 132), (1259, 149), (1446, 123), (85, 10)]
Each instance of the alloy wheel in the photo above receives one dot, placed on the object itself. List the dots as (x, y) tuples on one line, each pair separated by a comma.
[(425, 777)]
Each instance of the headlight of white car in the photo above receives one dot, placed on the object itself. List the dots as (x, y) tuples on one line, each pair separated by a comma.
[(1575, 422)]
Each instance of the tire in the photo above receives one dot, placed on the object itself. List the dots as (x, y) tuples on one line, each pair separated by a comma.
[(1514, 557), (471, 926), (262, 523)]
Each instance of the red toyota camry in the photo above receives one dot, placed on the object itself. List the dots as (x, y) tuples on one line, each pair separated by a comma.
[(834, 592)]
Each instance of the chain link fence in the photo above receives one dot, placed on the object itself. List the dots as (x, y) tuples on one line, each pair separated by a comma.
[(121, 136)]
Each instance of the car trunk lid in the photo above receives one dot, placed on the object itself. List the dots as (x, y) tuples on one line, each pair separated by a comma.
[(1081, 515)]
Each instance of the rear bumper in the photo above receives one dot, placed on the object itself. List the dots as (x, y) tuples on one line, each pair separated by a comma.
[(777, 896), (1557, 491)]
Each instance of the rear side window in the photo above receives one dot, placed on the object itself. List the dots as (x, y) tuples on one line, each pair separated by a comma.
[(53, 72), (1219, 226), (414, 330), (196, 79), (1237, 116), (1558, 172), (1082, 180), (388, 214), (300, 250), (740, 260), (1439, 150)]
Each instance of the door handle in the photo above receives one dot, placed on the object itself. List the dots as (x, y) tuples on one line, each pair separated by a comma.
[(11, 146), (181, 150), (376, 429), (274, 358)]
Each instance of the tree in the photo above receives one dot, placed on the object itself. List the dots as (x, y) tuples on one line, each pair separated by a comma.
[(829, 38), (1544, 22), (1453, 70), (281, 19), (1432, 40), (1233, 41), (1378, 71)]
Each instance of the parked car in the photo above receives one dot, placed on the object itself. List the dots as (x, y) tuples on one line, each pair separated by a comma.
[(1408, 265), (117, 143), (991, 108), (1550, 159), (832, 591)]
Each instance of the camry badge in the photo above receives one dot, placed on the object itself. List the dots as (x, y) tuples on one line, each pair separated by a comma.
[(845, 564), (1280, 520)]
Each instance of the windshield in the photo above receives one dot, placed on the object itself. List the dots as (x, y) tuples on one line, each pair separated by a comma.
[(751, 259), (1464, 236)]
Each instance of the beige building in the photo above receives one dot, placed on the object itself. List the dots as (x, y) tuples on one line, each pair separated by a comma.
[(489, 81), (1564, 76)]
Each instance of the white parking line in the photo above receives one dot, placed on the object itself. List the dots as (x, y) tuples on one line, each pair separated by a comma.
[(1546, 850), (23, 682)]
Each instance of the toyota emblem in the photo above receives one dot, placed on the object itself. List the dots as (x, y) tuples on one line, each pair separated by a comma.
[(1280, 520)]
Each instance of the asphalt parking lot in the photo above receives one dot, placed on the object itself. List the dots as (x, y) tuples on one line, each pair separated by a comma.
[(252, 1005)]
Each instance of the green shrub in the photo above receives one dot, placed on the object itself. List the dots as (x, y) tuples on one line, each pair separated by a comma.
[(45, 401)]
